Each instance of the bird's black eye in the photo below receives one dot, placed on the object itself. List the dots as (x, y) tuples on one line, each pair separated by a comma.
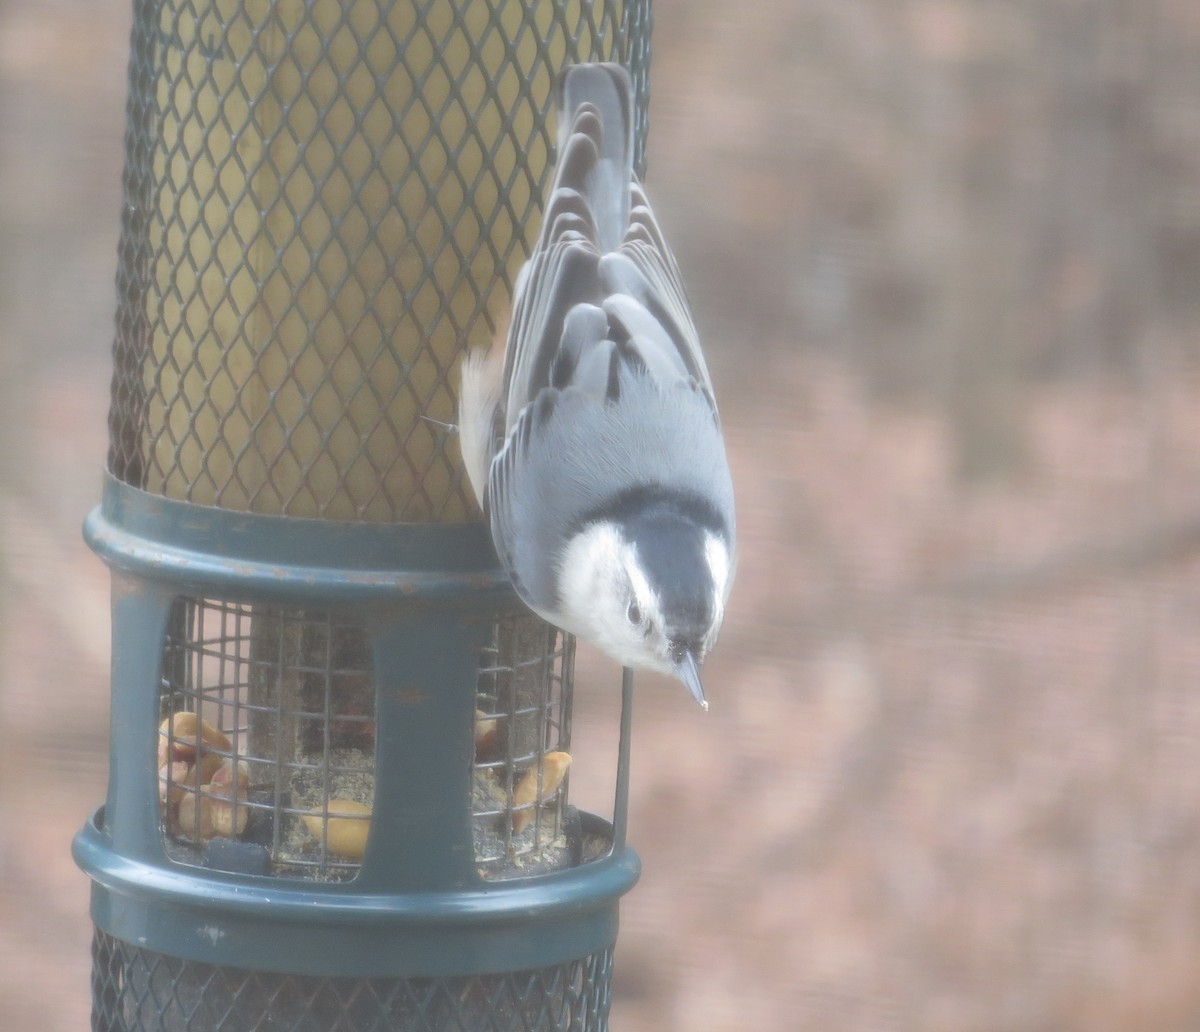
[(634, 613)]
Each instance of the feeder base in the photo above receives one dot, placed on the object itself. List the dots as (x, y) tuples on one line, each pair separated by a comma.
[(138, 990)]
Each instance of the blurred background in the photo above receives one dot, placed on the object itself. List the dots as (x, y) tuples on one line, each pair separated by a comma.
[(946, 258)]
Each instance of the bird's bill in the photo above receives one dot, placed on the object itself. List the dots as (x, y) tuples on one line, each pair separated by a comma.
[(688, 671)]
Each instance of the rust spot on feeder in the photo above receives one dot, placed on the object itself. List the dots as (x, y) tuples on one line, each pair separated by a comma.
[(412, 695), (126, 587)]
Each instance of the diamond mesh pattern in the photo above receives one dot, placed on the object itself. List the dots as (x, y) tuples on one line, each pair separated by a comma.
[(136, 990), (324, 204)]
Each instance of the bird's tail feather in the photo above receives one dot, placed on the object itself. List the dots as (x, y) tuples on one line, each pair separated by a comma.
[(595, 149)]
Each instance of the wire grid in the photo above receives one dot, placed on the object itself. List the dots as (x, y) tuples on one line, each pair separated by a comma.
[(137, 990), (324, 204), (267, 738), (522, 717), (287, 701)]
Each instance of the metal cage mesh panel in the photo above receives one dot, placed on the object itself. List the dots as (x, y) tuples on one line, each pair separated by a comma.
[(325, 202), (522, 725), (266, 746), (137, 990), (267, 740)]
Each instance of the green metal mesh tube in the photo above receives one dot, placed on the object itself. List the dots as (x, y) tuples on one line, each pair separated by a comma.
[(326, 202)]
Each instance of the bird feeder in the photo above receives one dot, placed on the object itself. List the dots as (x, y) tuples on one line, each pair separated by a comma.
[(339, 790)]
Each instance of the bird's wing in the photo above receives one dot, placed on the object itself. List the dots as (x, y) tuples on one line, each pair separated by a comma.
[(569, 453), (552, 284), (587, 214), (646, 299), (600, 246)]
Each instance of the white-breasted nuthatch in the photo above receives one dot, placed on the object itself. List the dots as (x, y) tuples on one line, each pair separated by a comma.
[(596, 449)]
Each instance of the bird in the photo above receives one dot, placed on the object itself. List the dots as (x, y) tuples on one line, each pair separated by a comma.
[(592, 441)]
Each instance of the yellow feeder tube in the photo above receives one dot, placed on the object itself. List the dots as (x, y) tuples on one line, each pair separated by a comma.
[(342, 187)]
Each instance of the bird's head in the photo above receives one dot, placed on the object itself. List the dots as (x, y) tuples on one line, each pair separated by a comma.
[(647, 584)]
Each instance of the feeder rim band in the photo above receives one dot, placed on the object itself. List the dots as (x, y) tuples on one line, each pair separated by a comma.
[(276, 900), (282, 558)]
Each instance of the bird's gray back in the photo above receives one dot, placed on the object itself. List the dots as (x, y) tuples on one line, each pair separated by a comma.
[(572, 453)]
